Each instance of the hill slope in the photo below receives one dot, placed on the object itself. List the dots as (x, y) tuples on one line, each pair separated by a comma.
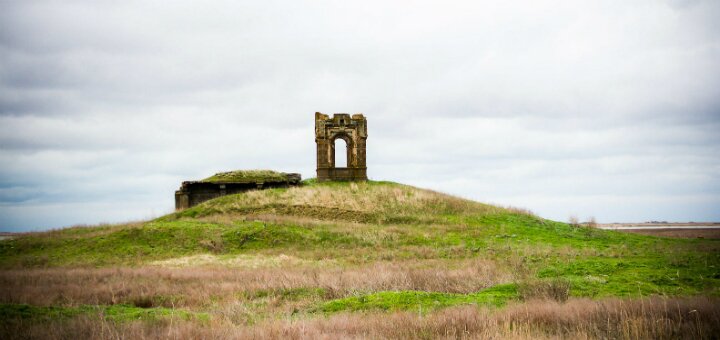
[(324, 248)]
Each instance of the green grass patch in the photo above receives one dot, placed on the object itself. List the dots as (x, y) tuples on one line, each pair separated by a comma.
[(638, 276), (160, 240), (118, 313), (422, 301)]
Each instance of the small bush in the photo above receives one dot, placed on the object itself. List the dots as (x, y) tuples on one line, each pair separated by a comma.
[(573, 221)]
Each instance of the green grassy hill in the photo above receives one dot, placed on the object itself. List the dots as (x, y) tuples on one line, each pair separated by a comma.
[(325, 248)]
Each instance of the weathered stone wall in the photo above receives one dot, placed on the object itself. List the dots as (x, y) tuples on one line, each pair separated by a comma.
[(192, 193), (353, 130)]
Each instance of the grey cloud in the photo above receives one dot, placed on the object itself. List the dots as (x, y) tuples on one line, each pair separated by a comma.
[(586, 103)]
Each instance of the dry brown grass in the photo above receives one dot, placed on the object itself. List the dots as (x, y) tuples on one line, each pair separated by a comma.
[(207, 285), (556, 289), (655, 318), (368, 198)]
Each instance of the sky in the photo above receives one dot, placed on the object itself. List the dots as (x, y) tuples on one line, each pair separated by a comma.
[(607, 109)]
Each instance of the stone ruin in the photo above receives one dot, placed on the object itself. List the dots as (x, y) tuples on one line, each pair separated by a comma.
[(192, 193), (351, 129)]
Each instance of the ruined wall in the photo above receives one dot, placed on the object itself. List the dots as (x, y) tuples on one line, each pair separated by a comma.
[(353, 130), (192, 193)]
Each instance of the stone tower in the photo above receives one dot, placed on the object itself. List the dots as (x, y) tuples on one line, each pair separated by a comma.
[(353, 130)]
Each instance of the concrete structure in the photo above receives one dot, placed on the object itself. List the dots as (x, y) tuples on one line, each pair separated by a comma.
[(192, 193), (351, 129)]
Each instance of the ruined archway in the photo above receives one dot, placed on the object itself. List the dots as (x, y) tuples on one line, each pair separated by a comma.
[(352, 130)]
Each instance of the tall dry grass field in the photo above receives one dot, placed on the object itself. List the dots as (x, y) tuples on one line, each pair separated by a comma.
[(655, 318), (191, 286)]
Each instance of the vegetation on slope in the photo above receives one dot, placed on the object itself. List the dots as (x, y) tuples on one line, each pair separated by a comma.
[(325, 248), (247, 176)]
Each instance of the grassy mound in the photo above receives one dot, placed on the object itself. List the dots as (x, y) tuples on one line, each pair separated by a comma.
[(377, 202), (325, 248)]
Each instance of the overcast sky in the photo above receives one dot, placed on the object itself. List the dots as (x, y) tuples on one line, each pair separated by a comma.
[(598, 108)]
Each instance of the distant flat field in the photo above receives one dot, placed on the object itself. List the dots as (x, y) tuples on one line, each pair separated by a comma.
[(687, 232), (681, 230), (659, 225)]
